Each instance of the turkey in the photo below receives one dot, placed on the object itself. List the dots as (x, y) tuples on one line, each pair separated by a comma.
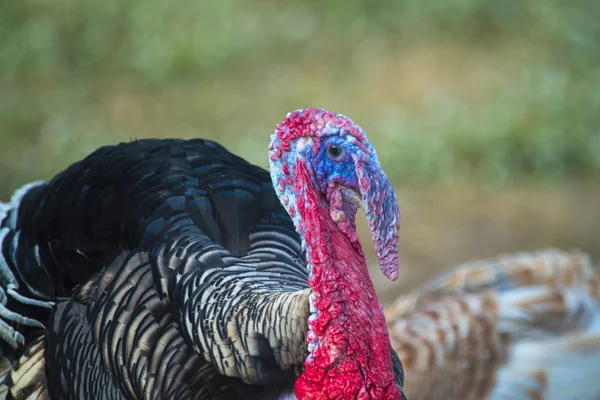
[(172, 269), (520, 326)]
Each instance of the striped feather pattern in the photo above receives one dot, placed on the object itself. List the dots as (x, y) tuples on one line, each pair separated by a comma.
[(27, 376), (17, 301), (250, 317), (175, 271), (521, 326)]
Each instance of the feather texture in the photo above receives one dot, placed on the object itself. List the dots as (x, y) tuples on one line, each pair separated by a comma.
[(175, 273), (524, 326)]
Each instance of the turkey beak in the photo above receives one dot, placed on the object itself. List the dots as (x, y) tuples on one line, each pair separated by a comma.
[(382, 211)]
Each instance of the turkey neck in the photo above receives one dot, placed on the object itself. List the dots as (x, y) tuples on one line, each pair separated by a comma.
[(348, 342)]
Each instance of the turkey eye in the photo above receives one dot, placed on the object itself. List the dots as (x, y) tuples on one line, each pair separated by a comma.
[(335, 151)]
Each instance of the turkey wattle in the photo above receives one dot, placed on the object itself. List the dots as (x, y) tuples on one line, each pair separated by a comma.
[(173, 271)]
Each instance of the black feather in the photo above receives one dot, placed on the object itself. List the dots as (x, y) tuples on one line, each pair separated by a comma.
[(176, 271)]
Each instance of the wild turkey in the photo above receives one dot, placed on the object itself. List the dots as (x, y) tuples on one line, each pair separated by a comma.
[(176, 273), (521, 326)]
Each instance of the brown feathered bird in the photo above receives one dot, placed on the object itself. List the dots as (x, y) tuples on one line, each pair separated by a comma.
[(520, 326)]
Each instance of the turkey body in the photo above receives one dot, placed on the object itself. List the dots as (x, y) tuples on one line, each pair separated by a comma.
[(519, 326), (161, 269), (167, 269)]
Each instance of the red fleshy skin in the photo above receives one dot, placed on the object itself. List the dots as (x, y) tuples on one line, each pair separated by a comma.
[(352, 359), (349, 341)]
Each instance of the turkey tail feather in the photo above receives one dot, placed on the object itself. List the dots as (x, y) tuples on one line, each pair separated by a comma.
[(17, 298)]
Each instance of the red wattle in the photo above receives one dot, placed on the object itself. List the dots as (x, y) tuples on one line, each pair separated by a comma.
[(352, 358)]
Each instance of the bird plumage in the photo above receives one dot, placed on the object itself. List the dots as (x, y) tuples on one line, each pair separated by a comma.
[(160, 269), (520, 326), (154, 281)]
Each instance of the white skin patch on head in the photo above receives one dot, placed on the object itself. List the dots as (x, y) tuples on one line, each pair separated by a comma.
[(303, 142)]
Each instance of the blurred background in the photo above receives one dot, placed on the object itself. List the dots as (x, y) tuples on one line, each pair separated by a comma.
[(485, 113)]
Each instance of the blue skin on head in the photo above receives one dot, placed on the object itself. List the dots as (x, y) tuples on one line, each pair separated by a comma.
[(330, 169), (344, 167)]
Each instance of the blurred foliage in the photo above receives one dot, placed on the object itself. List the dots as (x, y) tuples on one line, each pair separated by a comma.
[(449, 91)]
